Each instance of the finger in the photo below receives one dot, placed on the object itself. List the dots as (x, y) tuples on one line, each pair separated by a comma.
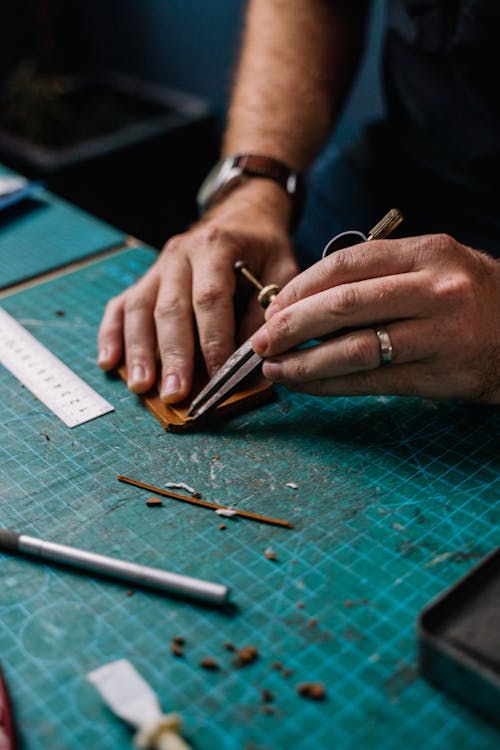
[(357, 351), (139, 335), (174, 331), (213, 290), (412, 379), (347, 306), (110, 336), (364, 261)]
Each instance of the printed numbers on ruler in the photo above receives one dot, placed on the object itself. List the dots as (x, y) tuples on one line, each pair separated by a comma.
[(49, 379)]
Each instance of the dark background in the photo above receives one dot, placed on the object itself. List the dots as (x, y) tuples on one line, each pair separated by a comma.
[(187, 45)]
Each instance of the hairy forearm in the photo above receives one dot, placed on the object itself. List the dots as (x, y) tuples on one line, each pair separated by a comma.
[(298, 58)]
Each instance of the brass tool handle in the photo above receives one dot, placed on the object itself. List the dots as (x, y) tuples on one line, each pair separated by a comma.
[(386, 225), (266, 293), (380, 231)]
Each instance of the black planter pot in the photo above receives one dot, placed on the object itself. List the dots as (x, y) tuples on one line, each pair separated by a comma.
[(140, 173)]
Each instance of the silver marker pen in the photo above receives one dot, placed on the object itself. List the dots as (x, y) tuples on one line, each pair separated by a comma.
[(142, 575)]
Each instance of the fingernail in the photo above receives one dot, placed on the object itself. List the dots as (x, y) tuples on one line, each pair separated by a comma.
[(102, 357), (260, 341), (137, 376), (272, 369), (171, 387)]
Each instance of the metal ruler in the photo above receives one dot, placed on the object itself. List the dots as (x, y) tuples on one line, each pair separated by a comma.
[(49, 379)]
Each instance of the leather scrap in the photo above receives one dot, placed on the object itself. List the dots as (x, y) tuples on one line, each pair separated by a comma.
[(254, 392)]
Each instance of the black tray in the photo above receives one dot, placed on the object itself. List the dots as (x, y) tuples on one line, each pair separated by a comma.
[(459, 639)]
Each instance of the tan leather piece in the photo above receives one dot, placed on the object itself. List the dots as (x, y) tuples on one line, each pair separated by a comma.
[(173, 417)]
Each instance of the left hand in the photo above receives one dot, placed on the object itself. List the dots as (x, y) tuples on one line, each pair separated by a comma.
[(438, 299)]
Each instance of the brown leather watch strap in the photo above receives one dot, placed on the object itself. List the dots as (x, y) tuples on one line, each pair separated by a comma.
[(232, 170), (265, 166)]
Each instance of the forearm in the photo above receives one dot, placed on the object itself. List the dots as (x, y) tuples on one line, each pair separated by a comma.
[(298, 58)]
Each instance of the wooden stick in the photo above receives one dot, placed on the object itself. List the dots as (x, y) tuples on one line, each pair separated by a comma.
[(205, 503)]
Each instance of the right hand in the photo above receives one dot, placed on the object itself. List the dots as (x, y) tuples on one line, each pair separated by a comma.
[(189, 290)]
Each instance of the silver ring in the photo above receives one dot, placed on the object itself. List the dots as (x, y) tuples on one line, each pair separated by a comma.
[(385, 346)]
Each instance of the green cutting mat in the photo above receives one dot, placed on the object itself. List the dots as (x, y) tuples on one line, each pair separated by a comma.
[(44, 233), (395, 500)]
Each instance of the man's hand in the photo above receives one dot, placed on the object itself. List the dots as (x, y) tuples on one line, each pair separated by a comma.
[(439, 300), (189, 292)]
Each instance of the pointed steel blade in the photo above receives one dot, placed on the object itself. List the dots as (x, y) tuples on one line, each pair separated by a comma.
[(225, 390), (228, 369)]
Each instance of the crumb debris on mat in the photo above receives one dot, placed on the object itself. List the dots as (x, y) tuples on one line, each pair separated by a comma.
[(177, 645), (226, 512), (267, 695), (177, 650), (270, 554), (292, 485), (315, 691), (154, 502), (222, 526), (246, 655), (208, 662)]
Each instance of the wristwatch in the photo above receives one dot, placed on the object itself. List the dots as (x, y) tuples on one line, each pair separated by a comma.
[(232, 170)]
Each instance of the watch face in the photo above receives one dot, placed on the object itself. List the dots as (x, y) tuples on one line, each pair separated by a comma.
[(218, 176)]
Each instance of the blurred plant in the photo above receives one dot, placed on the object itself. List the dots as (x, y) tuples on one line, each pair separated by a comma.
[(32, 98), (32, 102)]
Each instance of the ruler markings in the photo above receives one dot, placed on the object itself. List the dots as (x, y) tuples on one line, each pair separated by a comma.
[(46, 376)]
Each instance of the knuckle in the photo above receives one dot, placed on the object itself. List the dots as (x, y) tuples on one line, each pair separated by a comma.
[(172, 359), (455, 286), (136, 351), (442, 243), (359, 352), (135, 300), (212, 233), (296, 370), (214, 348), (207, 295), (344, 300), (114, 304), (167, 307), (214, 352), (342, 261), (280, 325), (173, 244)]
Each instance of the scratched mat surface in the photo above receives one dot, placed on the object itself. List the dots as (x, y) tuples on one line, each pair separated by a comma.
[(392, 501), (44, 233)]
